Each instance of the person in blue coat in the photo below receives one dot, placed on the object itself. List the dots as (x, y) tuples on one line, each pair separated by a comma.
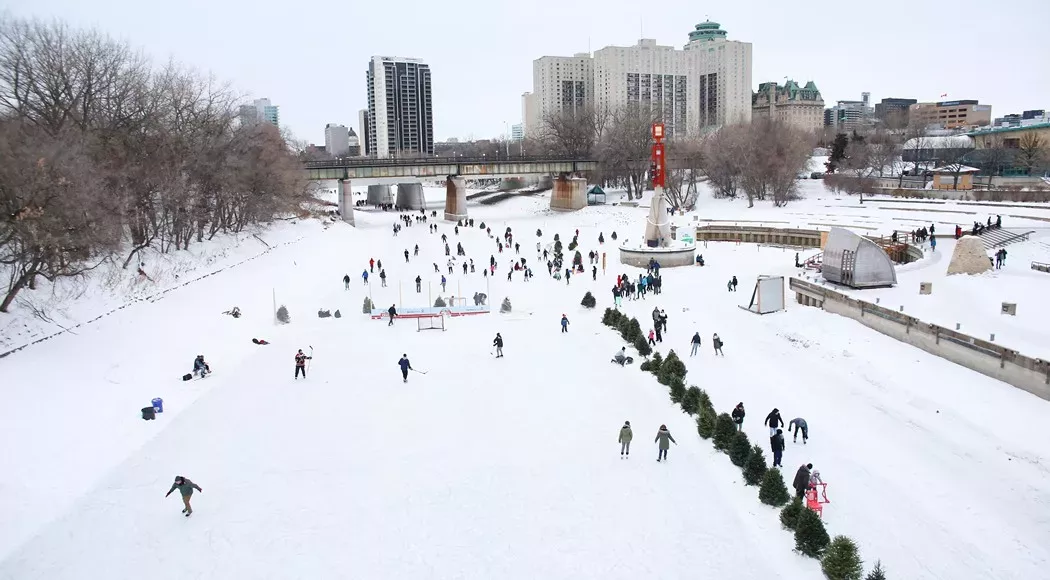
[(405, 366), (564, 323), (364, 276)]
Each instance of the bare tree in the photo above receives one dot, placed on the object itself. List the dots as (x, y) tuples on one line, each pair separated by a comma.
[(994, 157), (776, 154), (625, 149), (723, 157), (572, 133), (1032, 152), (59, 222), (686, 157)]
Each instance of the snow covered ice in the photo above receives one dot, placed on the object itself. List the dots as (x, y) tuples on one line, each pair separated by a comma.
[(509, 468)]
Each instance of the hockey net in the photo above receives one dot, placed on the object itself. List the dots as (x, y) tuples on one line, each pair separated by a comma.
[(435, 322)]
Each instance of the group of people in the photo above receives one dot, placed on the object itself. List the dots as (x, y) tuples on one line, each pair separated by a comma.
[(776, 432), (663, 441)]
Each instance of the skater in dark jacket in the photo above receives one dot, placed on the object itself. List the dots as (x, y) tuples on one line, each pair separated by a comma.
[(498, 343), (392, 313), (801, 482), (663, 436), (300, 363), (405, 366), (774, 421), (185, 488), (625, 439), (564, 323), (346, 282), (738, 416), (776, 443), (695, 344)]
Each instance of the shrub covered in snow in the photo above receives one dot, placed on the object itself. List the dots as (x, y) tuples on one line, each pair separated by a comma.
[(440, 302), (368, 306), (588, 300), (282, 315), (505, 306)]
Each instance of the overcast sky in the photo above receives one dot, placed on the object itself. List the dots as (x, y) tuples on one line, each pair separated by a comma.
[(310, 58)]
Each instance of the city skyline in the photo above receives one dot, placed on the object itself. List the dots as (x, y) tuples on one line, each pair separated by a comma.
[(478, 82)]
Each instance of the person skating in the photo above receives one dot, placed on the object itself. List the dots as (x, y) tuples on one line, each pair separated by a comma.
[(663, 436), (185, 488), (625, 439), (300, 363), (564, 323), (774, 421), (371, 264), (717, 343), (776, 443), (346, 282), (498, 343), (391, 314), (594, 273), (801, 481), (729, 286), (419, 282), (405, 366), (738, 416), (733, 281), (695, 344), (443, 282), (200, 367), (800, 425), (364, 277)]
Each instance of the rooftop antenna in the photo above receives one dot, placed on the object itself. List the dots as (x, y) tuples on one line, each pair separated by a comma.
[(641, 29)]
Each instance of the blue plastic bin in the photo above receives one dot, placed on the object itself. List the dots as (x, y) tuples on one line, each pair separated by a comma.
[(158, 405)]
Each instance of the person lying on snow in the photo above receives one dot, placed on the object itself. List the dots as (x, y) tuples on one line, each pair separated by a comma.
[(621, 357)]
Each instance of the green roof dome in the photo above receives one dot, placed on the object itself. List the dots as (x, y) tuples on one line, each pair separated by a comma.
[(707, 30)]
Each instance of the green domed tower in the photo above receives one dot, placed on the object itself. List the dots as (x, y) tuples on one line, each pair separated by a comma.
[(707, 31)]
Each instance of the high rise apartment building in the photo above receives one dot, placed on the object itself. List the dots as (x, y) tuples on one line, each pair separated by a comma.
[(362, 131), (260, 111), (849, 115), (336, 140), (703, 85), (802, 107), (400, 113)]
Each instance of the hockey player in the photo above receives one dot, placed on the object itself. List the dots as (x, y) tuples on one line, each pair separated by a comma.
[(564, 323), (405, 366), (300, 363), (625, 439), (498, 343), (663, 436), (346, 282), (392, 314), (738, 416), (800, 425), (185, 488), (774, 421), (419, 281)]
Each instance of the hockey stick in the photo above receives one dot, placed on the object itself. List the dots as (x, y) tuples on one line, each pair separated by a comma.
[(310, 359), (418, 371)]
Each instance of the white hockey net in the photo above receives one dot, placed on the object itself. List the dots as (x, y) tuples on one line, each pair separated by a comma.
[(457, 301), (436, 322)]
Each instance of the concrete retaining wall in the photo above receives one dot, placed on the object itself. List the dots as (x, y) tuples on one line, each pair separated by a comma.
[(667, 258), (759, 235), (987, 358)]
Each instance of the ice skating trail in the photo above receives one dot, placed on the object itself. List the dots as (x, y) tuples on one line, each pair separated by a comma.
[(495, 468)]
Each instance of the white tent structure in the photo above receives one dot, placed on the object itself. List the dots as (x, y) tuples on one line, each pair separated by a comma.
[(855, 261)]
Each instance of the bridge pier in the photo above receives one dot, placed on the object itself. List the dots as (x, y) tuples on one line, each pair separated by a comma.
[(455, 198), (569, 194), (346, 202), (410, 196), (379, 195)]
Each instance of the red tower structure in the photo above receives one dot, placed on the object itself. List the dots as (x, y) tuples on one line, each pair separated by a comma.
[(657, 167)]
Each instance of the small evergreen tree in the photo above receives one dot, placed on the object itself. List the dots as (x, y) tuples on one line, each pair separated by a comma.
[(811, 539), (877, 573), (643, 348), (773, 491), (755, 467), (739, 449), (368, 306), (789, 515), (557, 248), (282, 315), (677, 389), (573, 244), (439, 303), (505, 306), (673, 364), (691, 401), (656, 362), (705, 401), (588, 300), (838, 152), (634, 331), (481, 226), (624, 328), (338, 314), (557, 238), (841, 560), (539, 233), (725, 429), (611, 317), (705, 423), (613, 235)]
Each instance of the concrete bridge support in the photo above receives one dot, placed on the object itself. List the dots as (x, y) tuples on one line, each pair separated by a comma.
[(410, 196), (569, 194), (379, 194), (346, 202), (455, 199)]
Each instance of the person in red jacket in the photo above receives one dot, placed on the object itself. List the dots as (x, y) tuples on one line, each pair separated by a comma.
[(300, 363)]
